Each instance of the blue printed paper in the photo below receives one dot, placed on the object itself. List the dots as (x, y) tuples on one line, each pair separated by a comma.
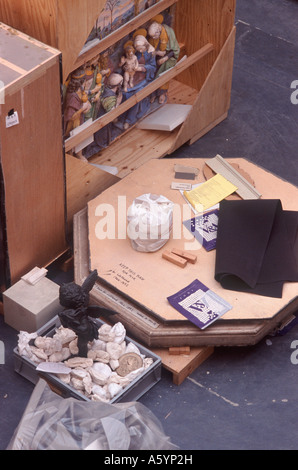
[(199, 304), (204, 228)]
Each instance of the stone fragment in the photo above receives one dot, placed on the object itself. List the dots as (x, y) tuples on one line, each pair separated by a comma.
[(114, 350), (83, 362)]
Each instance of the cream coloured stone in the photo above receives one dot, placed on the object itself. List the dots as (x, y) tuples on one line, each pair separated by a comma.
[(49, 345), (131, 347), (65, 353), (65, 335), (115, 378), (65, 378), (148, 361), (99, 355), (88, 384), (119, 332), (56, 357), (104, 333), (114, 350), (91, 354), (73, 347), (77, 384), (97, 377), (79, 373), (98, 344), (99, 398), (39, 353), (102, 368), (100, 373), (83, 362), (114, 389), (114, 363)]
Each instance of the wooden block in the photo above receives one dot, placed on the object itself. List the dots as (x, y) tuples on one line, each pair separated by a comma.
[(181, 262), (182, 366), (185, 254), (67, 265), (176, 351)]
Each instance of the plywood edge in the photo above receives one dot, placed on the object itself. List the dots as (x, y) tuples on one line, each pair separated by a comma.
[(213, 100), (83, 183)]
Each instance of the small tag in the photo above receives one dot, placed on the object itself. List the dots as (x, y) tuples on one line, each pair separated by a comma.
[(35, 275), (181, 186), (12, 120)]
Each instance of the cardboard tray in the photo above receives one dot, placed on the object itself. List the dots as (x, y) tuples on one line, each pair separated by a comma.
[(140, 385)]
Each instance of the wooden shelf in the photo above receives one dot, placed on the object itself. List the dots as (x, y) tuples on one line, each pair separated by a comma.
[(73, 141), (131, 150)]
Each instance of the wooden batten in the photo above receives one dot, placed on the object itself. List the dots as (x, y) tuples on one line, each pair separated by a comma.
[(213, 100)]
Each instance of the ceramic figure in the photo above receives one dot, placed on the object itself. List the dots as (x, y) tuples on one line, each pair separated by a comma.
[(130, 66), (162, 37)]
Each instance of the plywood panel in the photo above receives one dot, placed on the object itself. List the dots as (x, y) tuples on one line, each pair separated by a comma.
[(146, 277), (198, 22), (75, 20), (33, 168), (213, 100), (37, 18), (83, 183)]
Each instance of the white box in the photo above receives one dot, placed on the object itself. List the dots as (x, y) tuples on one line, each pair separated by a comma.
[(28, 307)]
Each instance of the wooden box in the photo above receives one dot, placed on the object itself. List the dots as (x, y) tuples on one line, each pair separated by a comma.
[(206, 34), (31, 155)]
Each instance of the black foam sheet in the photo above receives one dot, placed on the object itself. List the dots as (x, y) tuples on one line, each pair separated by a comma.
[(256, 248)]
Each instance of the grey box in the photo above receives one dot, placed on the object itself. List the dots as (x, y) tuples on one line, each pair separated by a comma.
[(29, 307), (132, 392)]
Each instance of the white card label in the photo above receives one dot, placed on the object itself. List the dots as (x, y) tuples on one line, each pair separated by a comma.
[(12, 120)]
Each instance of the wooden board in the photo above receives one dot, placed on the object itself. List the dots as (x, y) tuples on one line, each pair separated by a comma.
[(149, 279), (83, 183), (181, 366), (155, 331), (167, 118), (213, 100)]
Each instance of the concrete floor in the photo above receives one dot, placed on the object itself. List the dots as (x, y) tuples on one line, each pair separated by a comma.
[(240, 398)]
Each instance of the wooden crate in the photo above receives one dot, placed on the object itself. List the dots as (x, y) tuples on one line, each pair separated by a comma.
[(31, 154), (206, 33)]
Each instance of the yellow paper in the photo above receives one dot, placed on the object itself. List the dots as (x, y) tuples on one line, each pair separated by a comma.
[(210, 193)]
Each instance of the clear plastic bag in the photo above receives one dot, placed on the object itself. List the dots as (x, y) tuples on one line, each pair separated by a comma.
[(54, 423), (150, 222)]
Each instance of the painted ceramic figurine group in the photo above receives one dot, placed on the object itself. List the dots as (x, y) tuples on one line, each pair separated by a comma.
[(105, 82)]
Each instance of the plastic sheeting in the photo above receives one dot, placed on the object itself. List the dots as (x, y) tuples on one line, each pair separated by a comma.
[(54, 423)]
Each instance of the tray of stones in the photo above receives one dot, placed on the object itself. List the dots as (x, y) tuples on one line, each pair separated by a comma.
[(116, 369)]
